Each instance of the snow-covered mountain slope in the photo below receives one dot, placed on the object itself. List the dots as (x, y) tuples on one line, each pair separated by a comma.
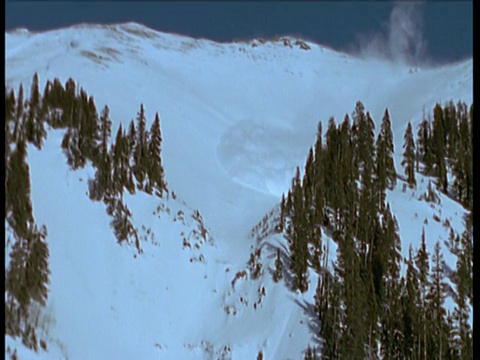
[(236, 120)]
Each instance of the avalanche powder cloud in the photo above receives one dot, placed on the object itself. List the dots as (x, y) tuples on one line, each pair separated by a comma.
[(403, 40)]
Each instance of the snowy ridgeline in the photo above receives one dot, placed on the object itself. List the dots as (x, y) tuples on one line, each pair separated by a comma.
[(192, 292)]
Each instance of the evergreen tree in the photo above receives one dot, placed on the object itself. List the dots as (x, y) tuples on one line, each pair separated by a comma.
[(132, 137), (282, 213), (308, 186), (104, 169), (462, 164), (33, 112), (119, 162), (55, 99), (424, 146), (392, 324), (122, 227), (288, 204), (451, 128), (386, 174), (255, 266), (10, 107), (358, 118), (298, 246), (278, 274), (467, 259), (140, 167), (19, 115), (71, 148), (310, 354), (34, 127), (422, 264), (69, 105), (26, 280), (412, 322), (462, 331), (318, 176), (37, 269), (57, 94), (17, 194), (131, 145), (155, 169), (409, 156), (331, 168), (90, 129), (353, 314), (9, 119), (439, 148), (15, 282), (328, 309), (367, 201), (347, 177), (436, 299)]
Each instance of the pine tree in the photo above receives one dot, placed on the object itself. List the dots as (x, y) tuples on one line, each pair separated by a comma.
[(10, 106), (436, 299), (385, 151), (104, 169), (409, 156), (33, 111), (19, 115), (34, 128), (37, 268), (90, 129), (121, 224), (155, 169), (451, 127), (298, 246), (278, 274), (439, 148), (9, 119), (282, 213), (422, 264), (310, 354), (462, 164), (255, 266), (307, 185), (328, 310), (71, 148), (141, 148), (411, 312), (424, 146), (17, 194), (467, 258), (358, 118), (462, 331), (330, 169), (367, 201), (56, 97), (356, 320), (118, 155), (26, 280), (392, 325), (347, 175), (69, 105), (318, 176)]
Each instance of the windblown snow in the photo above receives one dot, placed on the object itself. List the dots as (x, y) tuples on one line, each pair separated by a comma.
[(236, 120)]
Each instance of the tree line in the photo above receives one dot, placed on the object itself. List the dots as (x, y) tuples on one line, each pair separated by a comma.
[(365, 307), (131, 162)]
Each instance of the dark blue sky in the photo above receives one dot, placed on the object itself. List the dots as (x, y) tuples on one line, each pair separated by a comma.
[(440, 31)]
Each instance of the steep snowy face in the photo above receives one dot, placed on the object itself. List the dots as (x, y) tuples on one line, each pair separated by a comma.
[(233, 105), (236, 120)]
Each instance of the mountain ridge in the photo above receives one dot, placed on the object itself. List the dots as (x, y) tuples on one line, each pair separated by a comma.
[(235, 127)]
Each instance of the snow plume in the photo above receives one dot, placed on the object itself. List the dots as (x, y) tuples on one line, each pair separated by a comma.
[(402, 40)]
